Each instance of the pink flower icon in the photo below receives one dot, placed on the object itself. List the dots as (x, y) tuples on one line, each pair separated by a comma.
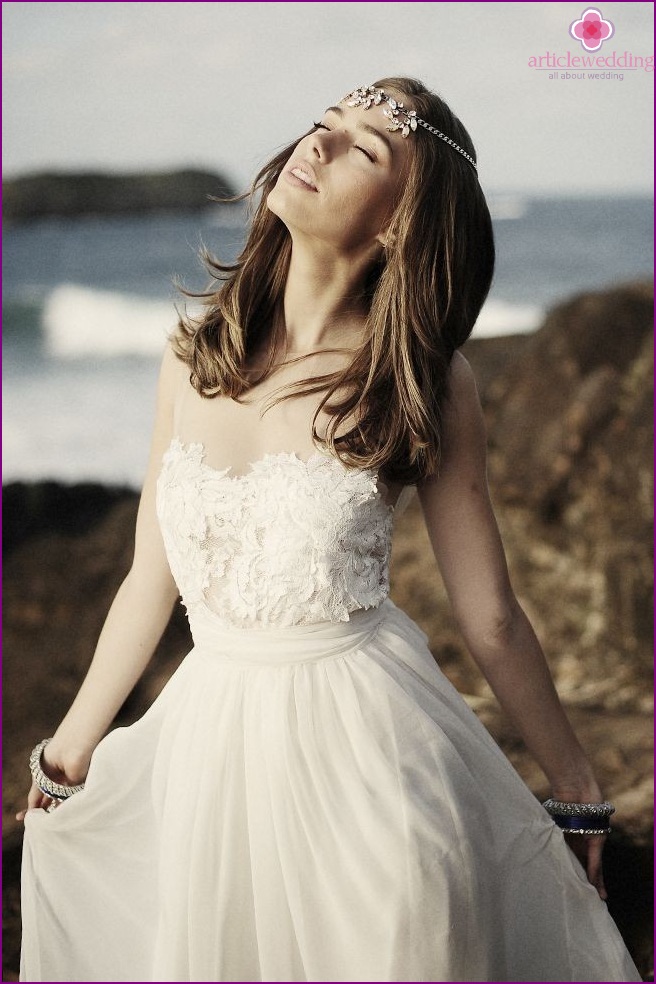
[(591, 30)]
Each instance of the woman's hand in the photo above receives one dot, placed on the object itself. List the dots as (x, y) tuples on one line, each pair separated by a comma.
[(60, 765), (588, 848)]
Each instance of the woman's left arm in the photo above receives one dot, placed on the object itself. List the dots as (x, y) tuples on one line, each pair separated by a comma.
[(469, 552)]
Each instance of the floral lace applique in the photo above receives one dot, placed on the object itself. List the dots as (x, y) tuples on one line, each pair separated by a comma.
[(290, 542)]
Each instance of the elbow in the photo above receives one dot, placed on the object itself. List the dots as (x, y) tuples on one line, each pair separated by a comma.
[(151, 588), (491, 634)]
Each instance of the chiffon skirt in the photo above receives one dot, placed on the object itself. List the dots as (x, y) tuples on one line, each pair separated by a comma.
[(315, 803)]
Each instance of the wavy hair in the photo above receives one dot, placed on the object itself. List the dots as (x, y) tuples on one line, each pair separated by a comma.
[(424, 294)]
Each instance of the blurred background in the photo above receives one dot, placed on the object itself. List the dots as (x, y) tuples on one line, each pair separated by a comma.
[(119, 119)]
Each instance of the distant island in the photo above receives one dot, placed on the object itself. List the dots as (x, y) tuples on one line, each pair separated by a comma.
[(71, 194)]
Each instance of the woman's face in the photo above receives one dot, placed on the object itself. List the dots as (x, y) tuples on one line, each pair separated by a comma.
[(356, 168)]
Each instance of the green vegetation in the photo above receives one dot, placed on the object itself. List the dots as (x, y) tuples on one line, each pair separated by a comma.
[(72, 194)]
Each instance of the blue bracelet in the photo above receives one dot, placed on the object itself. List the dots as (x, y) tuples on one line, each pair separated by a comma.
[(582, 825)]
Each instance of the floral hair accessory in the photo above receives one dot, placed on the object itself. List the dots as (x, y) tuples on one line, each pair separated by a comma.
[(405, 120)]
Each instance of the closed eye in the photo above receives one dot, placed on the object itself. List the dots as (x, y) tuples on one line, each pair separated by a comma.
[(355, 146)]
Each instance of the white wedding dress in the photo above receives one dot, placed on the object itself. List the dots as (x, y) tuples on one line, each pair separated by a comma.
[(309, 798)]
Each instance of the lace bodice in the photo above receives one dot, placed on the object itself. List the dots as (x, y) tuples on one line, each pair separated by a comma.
[(289, 542)]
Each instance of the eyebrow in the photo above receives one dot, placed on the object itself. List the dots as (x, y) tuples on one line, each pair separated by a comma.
[(366, 127)]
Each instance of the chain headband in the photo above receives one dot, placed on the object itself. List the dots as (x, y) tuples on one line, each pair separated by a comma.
[(401, 119)]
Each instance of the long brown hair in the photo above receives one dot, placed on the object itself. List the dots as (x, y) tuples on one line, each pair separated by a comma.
[(424, 294)]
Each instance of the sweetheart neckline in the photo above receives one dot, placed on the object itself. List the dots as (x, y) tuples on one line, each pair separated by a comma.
[(290, 455)]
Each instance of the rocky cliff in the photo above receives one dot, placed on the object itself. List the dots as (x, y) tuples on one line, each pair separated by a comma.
[(72, 194)]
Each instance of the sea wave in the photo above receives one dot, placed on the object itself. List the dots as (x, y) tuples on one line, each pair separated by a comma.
[(79, 322), (507, 206), (506, 318)]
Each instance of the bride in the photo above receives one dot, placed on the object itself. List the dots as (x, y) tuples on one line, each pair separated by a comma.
[(309, 798)]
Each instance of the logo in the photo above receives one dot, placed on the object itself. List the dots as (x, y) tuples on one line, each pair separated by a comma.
[(591, 30)]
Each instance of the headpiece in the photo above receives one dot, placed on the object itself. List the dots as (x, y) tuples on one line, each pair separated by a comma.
[(401, 119)]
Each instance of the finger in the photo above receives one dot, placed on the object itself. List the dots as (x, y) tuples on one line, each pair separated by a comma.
[(579, 847), (595, 868), (34, 797), (31, 805), (38, 800), (49, 803)]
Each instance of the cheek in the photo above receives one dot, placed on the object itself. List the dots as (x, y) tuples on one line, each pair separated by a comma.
[(368, 208)]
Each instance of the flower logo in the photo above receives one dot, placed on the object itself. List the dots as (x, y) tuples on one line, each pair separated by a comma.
[(591, 30)]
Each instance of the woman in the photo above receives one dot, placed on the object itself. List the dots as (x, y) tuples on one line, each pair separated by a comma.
[(309, 799)]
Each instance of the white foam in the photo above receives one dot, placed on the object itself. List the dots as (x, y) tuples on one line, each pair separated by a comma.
[(507, 206), (505, 318), (80, 321)]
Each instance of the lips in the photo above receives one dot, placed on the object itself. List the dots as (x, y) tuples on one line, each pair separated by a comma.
[(306, 171)]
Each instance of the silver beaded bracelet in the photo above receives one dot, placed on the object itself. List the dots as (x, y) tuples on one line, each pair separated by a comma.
[(564, 812), (57, 790), (566, 809)]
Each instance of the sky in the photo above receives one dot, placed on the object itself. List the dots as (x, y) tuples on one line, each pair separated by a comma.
[(223, 86)]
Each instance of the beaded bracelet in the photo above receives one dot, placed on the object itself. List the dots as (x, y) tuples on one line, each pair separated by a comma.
[(580, 818), (57, 790)]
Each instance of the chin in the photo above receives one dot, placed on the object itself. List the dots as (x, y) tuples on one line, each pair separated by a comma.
[(276, 202)]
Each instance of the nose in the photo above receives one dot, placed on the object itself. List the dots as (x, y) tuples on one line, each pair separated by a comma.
[(317, 144), (323, 143)]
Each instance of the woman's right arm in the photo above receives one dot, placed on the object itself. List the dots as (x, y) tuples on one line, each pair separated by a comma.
[(135, 623)]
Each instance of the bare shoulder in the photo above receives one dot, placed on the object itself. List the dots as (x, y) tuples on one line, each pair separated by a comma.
[(173, 372), (171, 362), (463, 437), (463, 420), (462, 381)]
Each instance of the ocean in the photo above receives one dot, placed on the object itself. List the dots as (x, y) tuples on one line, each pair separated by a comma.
[(87, 305)]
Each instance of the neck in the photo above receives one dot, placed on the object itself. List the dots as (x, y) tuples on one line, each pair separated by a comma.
[(324, 304)]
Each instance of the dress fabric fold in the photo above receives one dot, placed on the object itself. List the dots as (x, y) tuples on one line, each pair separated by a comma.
[(310, 801)]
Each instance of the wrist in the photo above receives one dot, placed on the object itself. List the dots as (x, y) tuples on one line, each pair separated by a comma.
[(72, 753), (583, 790), (575, 779)]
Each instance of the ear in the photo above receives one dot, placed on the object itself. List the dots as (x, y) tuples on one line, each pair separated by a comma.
[(385, 238)]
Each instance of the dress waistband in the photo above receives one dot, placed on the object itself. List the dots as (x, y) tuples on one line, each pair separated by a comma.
[(290, 644)]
